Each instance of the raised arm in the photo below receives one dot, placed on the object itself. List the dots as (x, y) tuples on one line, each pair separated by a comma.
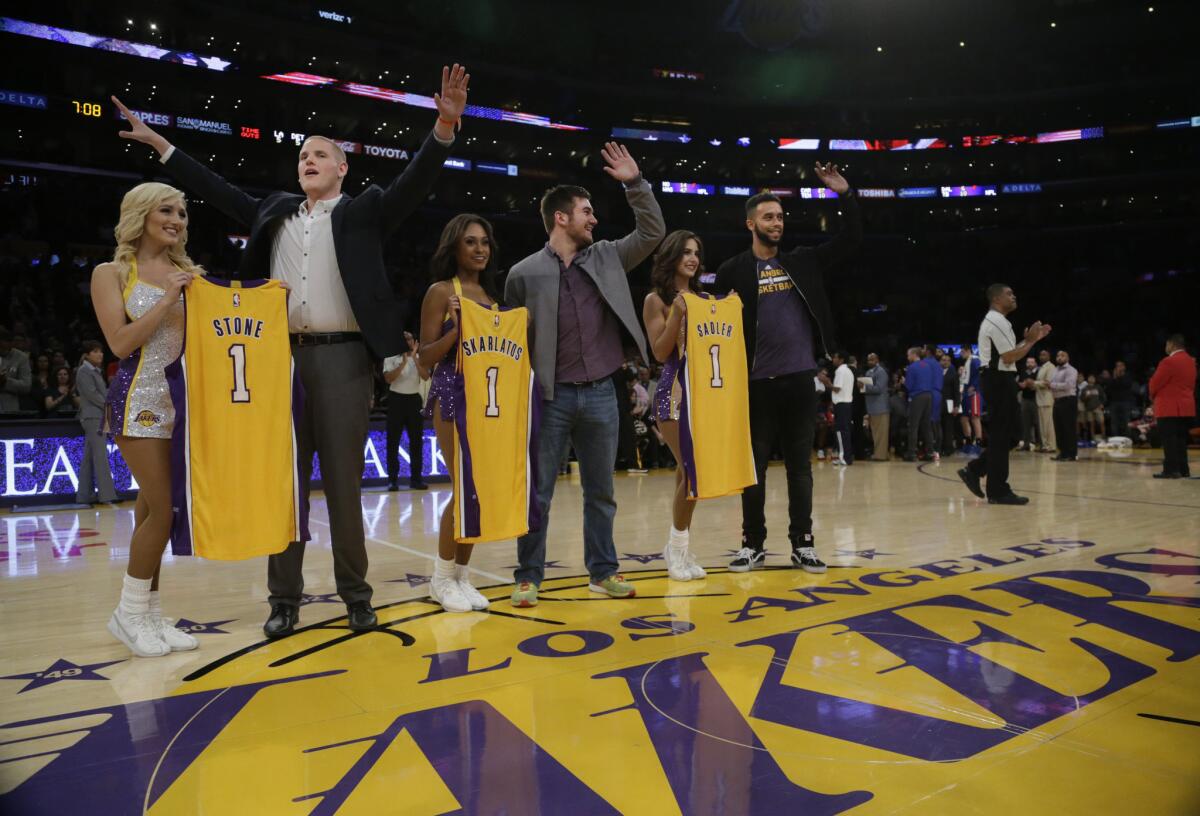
[(648, 224), (193, 176), (846, 243), (411, 187), (663, 328)]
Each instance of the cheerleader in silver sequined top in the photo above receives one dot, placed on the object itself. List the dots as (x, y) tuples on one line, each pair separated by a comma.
[(138, 298), (139, 403)]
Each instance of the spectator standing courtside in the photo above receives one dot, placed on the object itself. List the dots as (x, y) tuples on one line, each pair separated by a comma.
[(1120, 400), (1031, 435), (878, 410), (920, 402), (1173, 389), (93, 392), (403, 374), (1064, 388), (1045, 401)]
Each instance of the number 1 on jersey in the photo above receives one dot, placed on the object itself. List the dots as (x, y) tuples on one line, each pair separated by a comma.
[(240, 393), (714, 352), (493, 410)]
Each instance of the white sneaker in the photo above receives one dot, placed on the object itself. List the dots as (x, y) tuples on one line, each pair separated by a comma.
[(139, 633), (177, 639), (449, 594), (839, 461), (474, 596), (694, 568), (820, 453), (677, 563)]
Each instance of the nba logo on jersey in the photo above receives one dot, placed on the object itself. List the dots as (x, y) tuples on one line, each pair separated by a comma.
[(236, 398)]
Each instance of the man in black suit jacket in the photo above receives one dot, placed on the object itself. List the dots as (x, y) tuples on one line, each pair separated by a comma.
[(327, 247), (788, 326)]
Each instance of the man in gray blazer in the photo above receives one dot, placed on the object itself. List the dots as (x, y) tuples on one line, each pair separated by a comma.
[(581, 316), (878, 409), (89, 382)]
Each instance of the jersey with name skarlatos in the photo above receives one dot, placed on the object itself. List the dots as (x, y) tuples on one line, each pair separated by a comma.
[(495, 425), (714, 410), (235, 484)]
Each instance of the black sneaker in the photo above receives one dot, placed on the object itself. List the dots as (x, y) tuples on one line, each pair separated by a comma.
[(748, 558), (971, 481), (1011, 498), (804, 555)]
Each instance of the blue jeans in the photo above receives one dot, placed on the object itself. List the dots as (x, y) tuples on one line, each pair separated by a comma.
[(586, 416)]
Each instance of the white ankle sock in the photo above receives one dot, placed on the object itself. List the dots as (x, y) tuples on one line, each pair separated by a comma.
[(462, 572), (155, 604), (679, 538), (443, 568), (135, 595)]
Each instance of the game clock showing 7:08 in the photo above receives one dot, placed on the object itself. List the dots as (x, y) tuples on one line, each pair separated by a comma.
[(92, 109)]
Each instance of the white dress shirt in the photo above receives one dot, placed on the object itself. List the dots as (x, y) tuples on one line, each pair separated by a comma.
[(303, 257), (409, 381), (995, 329), (843, 381)]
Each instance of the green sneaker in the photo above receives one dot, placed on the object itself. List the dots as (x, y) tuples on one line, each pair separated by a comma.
[(614, 586), (525, 595)]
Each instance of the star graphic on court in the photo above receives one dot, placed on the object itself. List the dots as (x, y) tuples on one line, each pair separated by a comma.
[(410, 579), (547, 565), (61, 669), (332, 597), (642, 559), (869, 554), (197, 628)]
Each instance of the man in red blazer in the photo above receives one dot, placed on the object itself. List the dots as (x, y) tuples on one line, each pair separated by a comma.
[(1173, 389)]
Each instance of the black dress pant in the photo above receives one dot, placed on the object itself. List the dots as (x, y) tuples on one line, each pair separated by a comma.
[(842, 413), (1066, 429), (1000, 392), (919, 410), (782, 410), (1030, 433), (337, 392), (404, 416), (1174, 432)]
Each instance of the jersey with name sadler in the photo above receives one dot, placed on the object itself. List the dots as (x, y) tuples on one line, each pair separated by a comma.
[(495, 425), (235, 485), (714, 408)]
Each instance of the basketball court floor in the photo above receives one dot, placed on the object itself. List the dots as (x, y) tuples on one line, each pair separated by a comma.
[(956, 658)]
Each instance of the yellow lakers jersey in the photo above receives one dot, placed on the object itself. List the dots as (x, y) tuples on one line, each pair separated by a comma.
[(495, 425), (235, 485), (714, 409)]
